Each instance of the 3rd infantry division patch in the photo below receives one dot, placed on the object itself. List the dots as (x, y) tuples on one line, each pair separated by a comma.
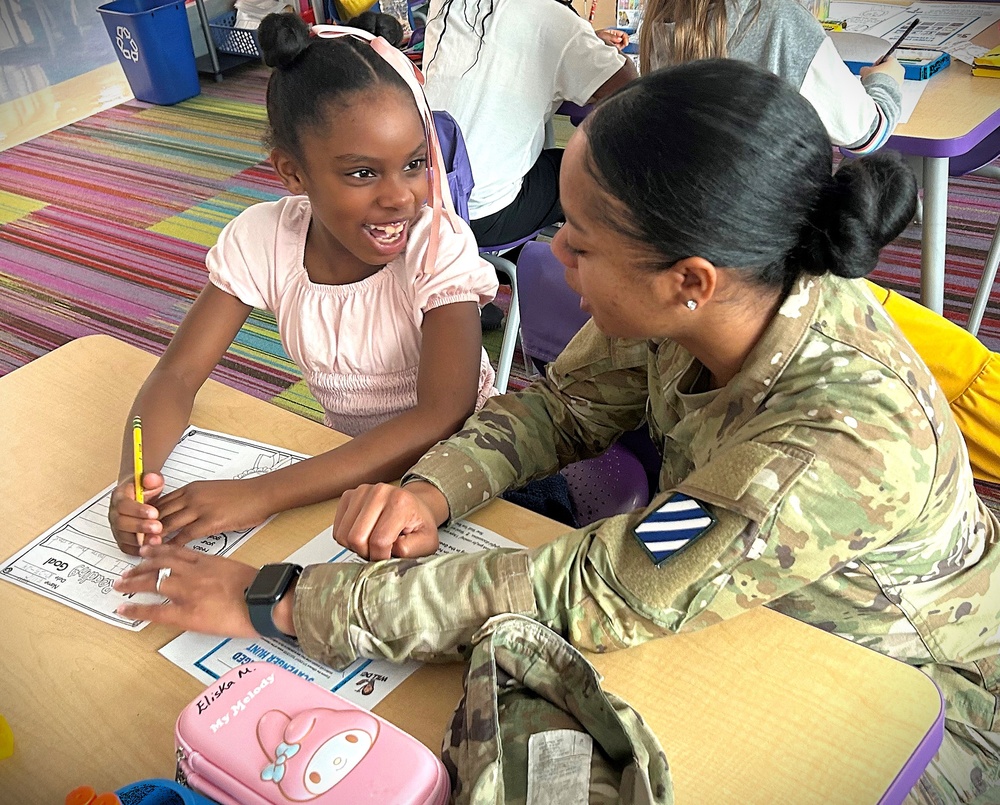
[(674, 525)]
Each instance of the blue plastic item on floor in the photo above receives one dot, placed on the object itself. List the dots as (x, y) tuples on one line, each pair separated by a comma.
[(160, 792), (153, 44)]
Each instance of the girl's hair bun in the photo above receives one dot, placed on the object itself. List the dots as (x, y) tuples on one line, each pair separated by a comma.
[(380, 24), (283, 39)]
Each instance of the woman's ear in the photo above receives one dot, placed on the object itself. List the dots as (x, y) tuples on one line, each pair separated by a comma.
[(289, 171), (689, 283)]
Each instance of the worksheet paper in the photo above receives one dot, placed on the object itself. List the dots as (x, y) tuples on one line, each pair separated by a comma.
[(943, 26), (364, 682), (77, 561), (911, 92)]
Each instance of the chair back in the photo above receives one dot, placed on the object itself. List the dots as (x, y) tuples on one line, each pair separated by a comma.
[(614, 482), (550, 309), (619, 480), (456, 161)]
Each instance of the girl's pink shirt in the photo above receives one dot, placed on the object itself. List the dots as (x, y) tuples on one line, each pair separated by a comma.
[(358, 345)]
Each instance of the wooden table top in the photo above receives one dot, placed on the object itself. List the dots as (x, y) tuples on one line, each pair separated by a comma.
[(761, 709)]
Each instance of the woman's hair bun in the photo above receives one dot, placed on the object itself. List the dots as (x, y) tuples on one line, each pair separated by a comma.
[(283, 38), (866, 204)]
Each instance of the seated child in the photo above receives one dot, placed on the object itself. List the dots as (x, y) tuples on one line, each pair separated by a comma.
[(376, 291), (501, 69), (780, 36)]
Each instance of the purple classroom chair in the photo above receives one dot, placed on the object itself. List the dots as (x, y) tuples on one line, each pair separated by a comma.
[(456, 160), (618, 480), (612, 483), (460, 183)]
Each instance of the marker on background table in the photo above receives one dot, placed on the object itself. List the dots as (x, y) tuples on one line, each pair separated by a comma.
[(899, 41), (137, 464)]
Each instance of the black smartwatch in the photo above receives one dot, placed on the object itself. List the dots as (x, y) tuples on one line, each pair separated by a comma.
[(266, 590)]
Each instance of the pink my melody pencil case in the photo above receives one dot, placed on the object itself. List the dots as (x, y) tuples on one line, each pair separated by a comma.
[(261, 735)]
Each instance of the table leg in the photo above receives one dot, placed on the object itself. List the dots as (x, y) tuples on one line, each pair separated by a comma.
[(935, 234), (212, 55)]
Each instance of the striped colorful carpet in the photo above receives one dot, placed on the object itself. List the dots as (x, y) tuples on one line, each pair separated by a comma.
[(104, 226)]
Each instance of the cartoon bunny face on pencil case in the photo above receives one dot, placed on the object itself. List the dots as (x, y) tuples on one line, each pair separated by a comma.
[(261, 735)]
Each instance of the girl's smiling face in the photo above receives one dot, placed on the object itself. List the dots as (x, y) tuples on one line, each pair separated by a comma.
[(364, 172)]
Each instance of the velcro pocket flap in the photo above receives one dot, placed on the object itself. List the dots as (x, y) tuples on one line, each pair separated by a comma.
[(748, 479), (742, 486)]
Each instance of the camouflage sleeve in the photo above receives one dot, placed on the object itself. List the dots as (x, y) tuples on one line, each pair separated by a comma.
[(789, 512), (424, 609), (786, 517), (592, 393)]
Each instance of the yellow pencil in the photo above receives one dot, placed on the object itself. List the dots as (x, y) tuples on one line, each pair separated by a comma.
[(137, 463), (137, 456)]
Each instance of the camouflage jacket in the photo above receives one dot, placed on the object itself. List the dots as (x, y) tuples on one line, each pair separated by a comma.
[(838, 477), (534, 725)]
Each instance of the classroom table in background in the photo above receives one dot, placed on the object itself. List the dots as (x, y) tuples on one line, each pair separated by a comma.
[(761, 709), (957, 114)]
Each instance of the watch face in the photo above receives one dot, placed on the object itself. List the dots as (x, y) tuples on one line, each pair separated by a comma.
[(271, 583)]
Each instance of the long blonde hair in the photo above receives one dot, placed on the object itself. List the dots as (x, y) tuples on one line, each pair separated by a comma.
[(699, 31)]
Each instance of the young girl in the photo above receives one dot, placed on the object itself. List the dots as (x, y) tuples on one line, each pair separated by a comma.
[(780, 36), (376, 294), (810, 461), (502, 68)]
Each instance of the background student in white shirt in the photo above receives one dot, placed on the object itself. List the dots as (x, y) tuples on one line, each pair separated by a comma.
[(502, 68)]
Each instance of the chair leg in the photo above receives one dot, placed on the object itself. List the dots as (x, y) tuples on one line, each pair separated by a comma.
[(512, 328), (985, 284)]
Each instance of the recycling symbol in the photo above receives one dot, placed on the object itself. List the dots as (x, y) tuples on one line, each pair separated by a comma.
[(126, 44)]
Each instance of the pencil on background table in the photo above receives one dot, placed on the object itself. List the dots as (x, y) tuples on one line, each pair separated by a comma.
[(899, 41)]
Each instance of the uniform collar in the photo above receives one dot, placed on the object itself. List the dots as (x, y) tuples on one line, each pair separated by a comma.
[(745, 394)]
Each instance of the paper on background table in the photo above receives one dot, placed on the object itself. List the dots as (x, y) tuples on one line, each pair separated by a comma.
[(912, 90), (944, 26), (77, 560), (364, 682), (966, 51)]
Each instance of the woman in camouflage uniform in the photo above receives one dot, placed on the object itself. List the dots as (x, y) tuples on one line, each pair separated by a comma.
[(810, 461)]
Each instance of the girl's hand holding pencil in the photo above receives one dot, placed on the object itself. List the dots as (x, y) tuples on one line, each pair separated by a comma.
[(887, 63), (889, 67), (130, 518)]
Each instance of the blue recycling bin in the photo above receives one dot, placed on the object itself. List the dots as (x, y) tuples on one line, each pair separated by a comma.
[(153, 44)]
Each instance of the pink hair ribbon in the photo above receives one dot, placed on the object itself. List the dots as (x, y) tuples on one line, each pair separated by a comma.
[(439, 196)]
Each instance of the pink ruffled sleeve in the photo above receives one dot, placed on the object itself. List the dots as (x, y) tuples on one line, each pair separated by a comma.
[(459, 273), (241, 261)]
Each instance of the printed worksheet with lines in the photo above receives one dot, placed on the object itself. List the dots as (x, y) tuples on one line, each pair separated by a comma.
[(365, 682), (77, 561)]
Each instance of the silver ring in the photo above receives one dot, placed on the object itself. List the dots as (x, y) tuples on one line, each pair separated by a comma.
[(161, 574)]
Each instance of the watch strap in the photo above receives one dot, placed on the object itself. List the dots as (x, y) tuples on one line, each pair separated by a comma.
[(262, 615)]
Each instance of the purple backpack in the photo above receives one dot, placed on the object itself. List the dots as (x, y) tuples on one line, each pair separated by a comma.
[(456, 160)]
